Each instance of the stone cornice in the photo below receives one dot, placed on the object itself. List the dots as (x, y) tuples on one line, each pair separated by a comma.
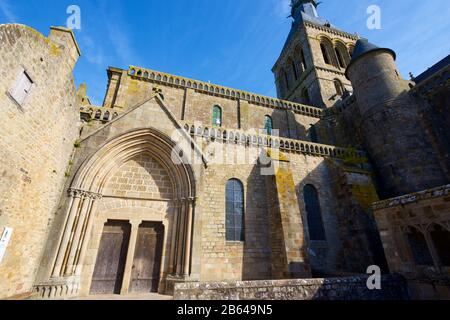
[(217, 90), (331, 30), (412, 198)]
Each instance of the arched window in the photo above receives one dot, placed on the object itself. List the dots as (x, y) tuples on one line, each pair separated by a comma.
[(326, 57), (106, 116), (217, 116), (281, 84), (305, 96), (313, 213), (286, 79), (294, 70), (98, 115), (341, 60), (268, 125), (300, 59), (350, 50), (419, 248), (339, 87), (441, 241), (303, 59), (313, 134), (234, 210), (328, 52)]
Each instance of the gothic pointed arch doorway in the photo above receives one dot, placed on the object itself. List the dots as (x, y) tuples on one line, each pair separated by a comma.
[(130, 219)]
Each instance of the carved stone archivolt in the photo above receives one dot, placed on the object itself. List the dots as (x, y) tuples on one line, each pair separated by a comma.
[(86, 192)]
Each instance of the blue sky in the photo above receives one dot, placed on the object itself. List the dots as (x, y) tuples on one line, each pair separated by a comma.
[(229, 42)]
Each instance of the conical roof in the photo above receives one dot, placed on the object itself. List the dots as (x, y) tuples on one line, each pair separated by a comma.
[(363, 47)]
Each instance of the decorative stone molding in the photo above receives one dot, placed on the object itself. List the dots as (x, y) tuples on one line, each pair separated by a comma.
[(264, 141), (62, 288), (208, 88), (334, 31), (100, 114), (412, 198), (77, 193)]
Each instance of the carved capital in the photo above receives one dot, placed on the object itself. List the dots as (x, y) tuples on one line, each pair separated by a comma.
[(74, 193), (78, 193)]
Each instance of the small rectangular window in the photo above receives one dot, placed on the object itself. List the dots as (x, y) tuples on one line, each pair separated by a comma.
[(22, 88)]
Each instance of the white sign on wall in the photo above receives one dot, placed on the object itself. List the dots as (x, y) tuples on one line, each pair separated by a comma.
[(4, 241)]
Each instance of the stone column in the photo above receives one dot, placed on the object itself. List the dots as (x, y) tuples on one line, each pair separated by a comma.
[(130, 256), (181, 229), (73, 210), (173, 243), (87, 234), (77, 235), (187, 257)]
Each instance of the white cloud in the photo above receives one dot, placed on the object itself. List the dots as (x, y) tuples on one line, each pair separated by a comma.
[(5, 8)]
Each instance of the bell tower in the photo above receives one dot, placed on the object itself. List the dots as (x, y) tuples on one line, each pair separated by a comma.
[(311, 67)]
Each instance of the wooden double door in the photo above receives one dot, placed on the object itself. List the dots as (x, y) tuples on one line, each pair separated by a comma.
[(112, 255)]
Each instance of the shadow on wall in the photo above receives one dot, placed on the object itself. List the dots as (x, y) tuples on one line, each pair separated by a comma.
[(342, 232), (256, 258), (339, 236)]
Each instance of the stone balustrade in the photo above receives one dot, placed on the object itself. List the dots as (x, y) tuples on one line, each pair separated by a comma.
[(204, 87), (261, 140), (99, 113)]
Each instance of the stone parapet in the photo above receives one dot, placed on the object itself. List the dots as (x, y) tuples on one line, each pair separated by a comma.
[(208, 88), (394, 287), (413, 198), (262, 140)]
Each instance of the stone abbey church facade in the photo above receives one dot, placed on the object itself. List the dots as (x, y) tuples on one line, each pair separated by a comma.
[(175, 182)]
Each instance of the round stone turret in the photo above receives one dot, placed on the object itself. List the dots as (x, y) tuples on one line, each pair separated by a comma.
[(373, 71), (391, 126)]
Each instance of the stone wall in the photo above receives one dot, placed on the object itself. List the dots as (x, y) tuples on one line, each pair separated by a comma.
[(395, 216), (36, 142), (140, 177), (352, 288), (195, 105), (387, 106), (418, 214)]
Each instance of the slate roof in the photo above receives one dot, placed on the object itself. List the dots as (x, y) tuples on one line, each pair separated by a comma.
[(433, 69)]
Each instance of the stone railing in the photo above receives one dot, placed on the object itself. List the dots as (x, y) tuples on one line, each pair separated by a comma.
[(413, 197), (261, 140), (393, 287), (99, 113), (208, 88)]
